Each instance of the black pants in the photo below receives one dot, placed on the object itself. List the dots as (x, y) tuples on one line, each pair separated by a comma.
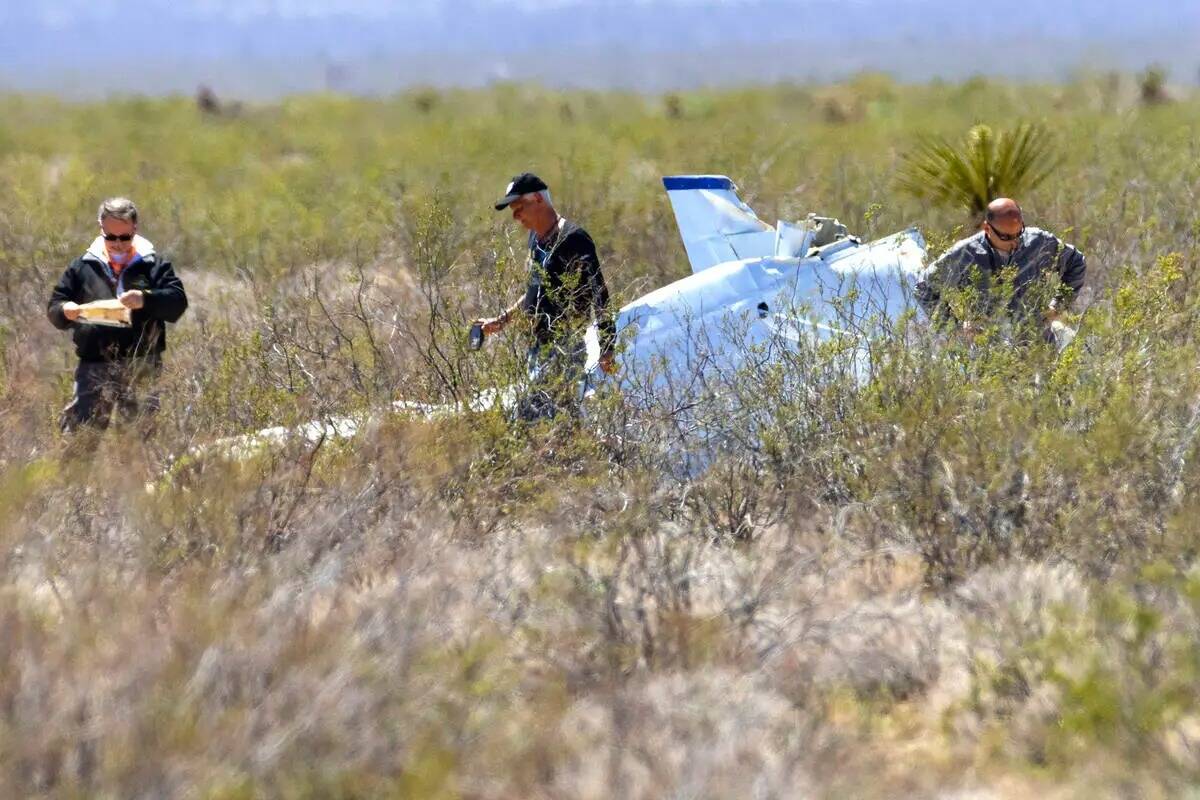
[(102, 387)]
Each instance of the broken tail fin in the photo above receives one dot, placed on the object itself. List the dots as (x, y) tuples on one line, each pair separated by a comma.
[(715, 224)]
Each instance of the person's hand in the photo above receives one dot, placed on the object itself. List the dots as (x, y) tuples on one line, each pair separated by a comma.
[(490, 325), (71, 310), (1051, 314), (132, 299), (608, 363)]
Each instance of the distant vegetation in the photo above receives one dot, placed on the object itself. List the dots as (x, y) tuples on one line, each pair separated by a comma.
[(976, 572)]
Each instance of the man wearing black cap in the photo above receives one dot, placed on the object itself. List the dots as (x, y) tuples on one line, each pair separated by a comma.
[(565, 292)]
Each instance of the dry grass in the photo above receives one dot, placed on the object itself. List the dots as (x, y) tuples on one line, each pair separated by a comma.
[(973, 577)]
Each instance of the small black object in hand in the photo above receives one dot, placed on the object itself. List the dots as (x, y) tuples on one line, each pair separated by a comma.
[(476, 339)]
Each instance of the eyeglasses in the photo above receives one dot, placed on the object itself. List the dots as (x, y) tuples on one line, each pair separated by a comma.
[(1006, 237), (118, 237)]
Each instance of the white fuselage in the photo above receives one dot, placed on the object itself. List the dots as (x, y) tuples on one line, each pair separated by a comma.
[(715, 316)]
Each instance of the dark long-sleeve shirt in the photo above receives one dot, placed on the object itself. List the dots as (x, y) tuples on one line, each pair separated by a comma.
[(974, 260), (566, 289)]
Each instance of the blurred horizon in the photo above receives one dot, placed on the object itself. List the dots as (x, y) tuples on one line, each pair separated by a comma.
[(263, 49)]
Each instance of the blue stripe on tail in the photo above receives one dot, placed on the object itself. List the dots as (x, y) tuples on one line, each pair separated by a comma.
[(677, 183)]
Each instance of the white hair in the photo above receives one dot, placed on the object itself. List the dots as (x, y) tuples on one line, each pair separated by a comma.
[(117, 208), (545, 195)]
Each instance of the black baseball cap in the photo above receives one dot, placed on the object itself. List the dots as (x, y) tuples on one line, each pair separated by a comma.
[(525, 183)]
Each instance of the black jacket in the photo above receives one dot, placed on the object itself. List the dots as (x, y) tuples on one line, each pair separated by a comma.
[(88, 279), (566, 289)]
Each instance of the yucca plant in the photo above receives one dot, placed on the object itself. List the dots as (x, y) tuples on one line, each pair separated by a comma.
[(986, 165)]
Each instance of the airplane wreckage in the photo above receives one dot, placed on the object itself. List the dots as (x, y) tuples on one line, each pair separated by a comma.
[(752, 285)]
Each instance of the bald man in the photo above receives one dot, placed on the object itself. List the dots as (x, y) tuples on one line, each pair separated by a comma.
[(1003, 247)]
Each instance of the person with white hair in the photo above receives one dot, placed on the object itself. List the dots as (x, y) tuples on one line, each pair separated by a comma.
[(565, 293), (116, 299)]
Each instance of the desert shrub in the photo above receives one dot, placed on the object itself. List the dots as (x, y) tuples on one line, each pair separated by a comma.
[(955, 565), (1152, 84), (987, 165)]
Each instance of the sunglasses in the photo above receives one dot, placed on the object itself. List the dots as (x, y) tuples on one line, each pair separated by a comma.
[(1006, 237), (118, 237)]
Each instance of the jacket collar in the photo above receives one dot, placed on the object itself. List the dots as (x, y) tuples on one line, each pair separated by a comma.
[(142, 248)]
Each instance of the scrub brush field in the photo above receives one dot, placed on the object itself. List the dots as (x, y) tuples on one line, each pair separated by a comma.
[(973, 573)]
